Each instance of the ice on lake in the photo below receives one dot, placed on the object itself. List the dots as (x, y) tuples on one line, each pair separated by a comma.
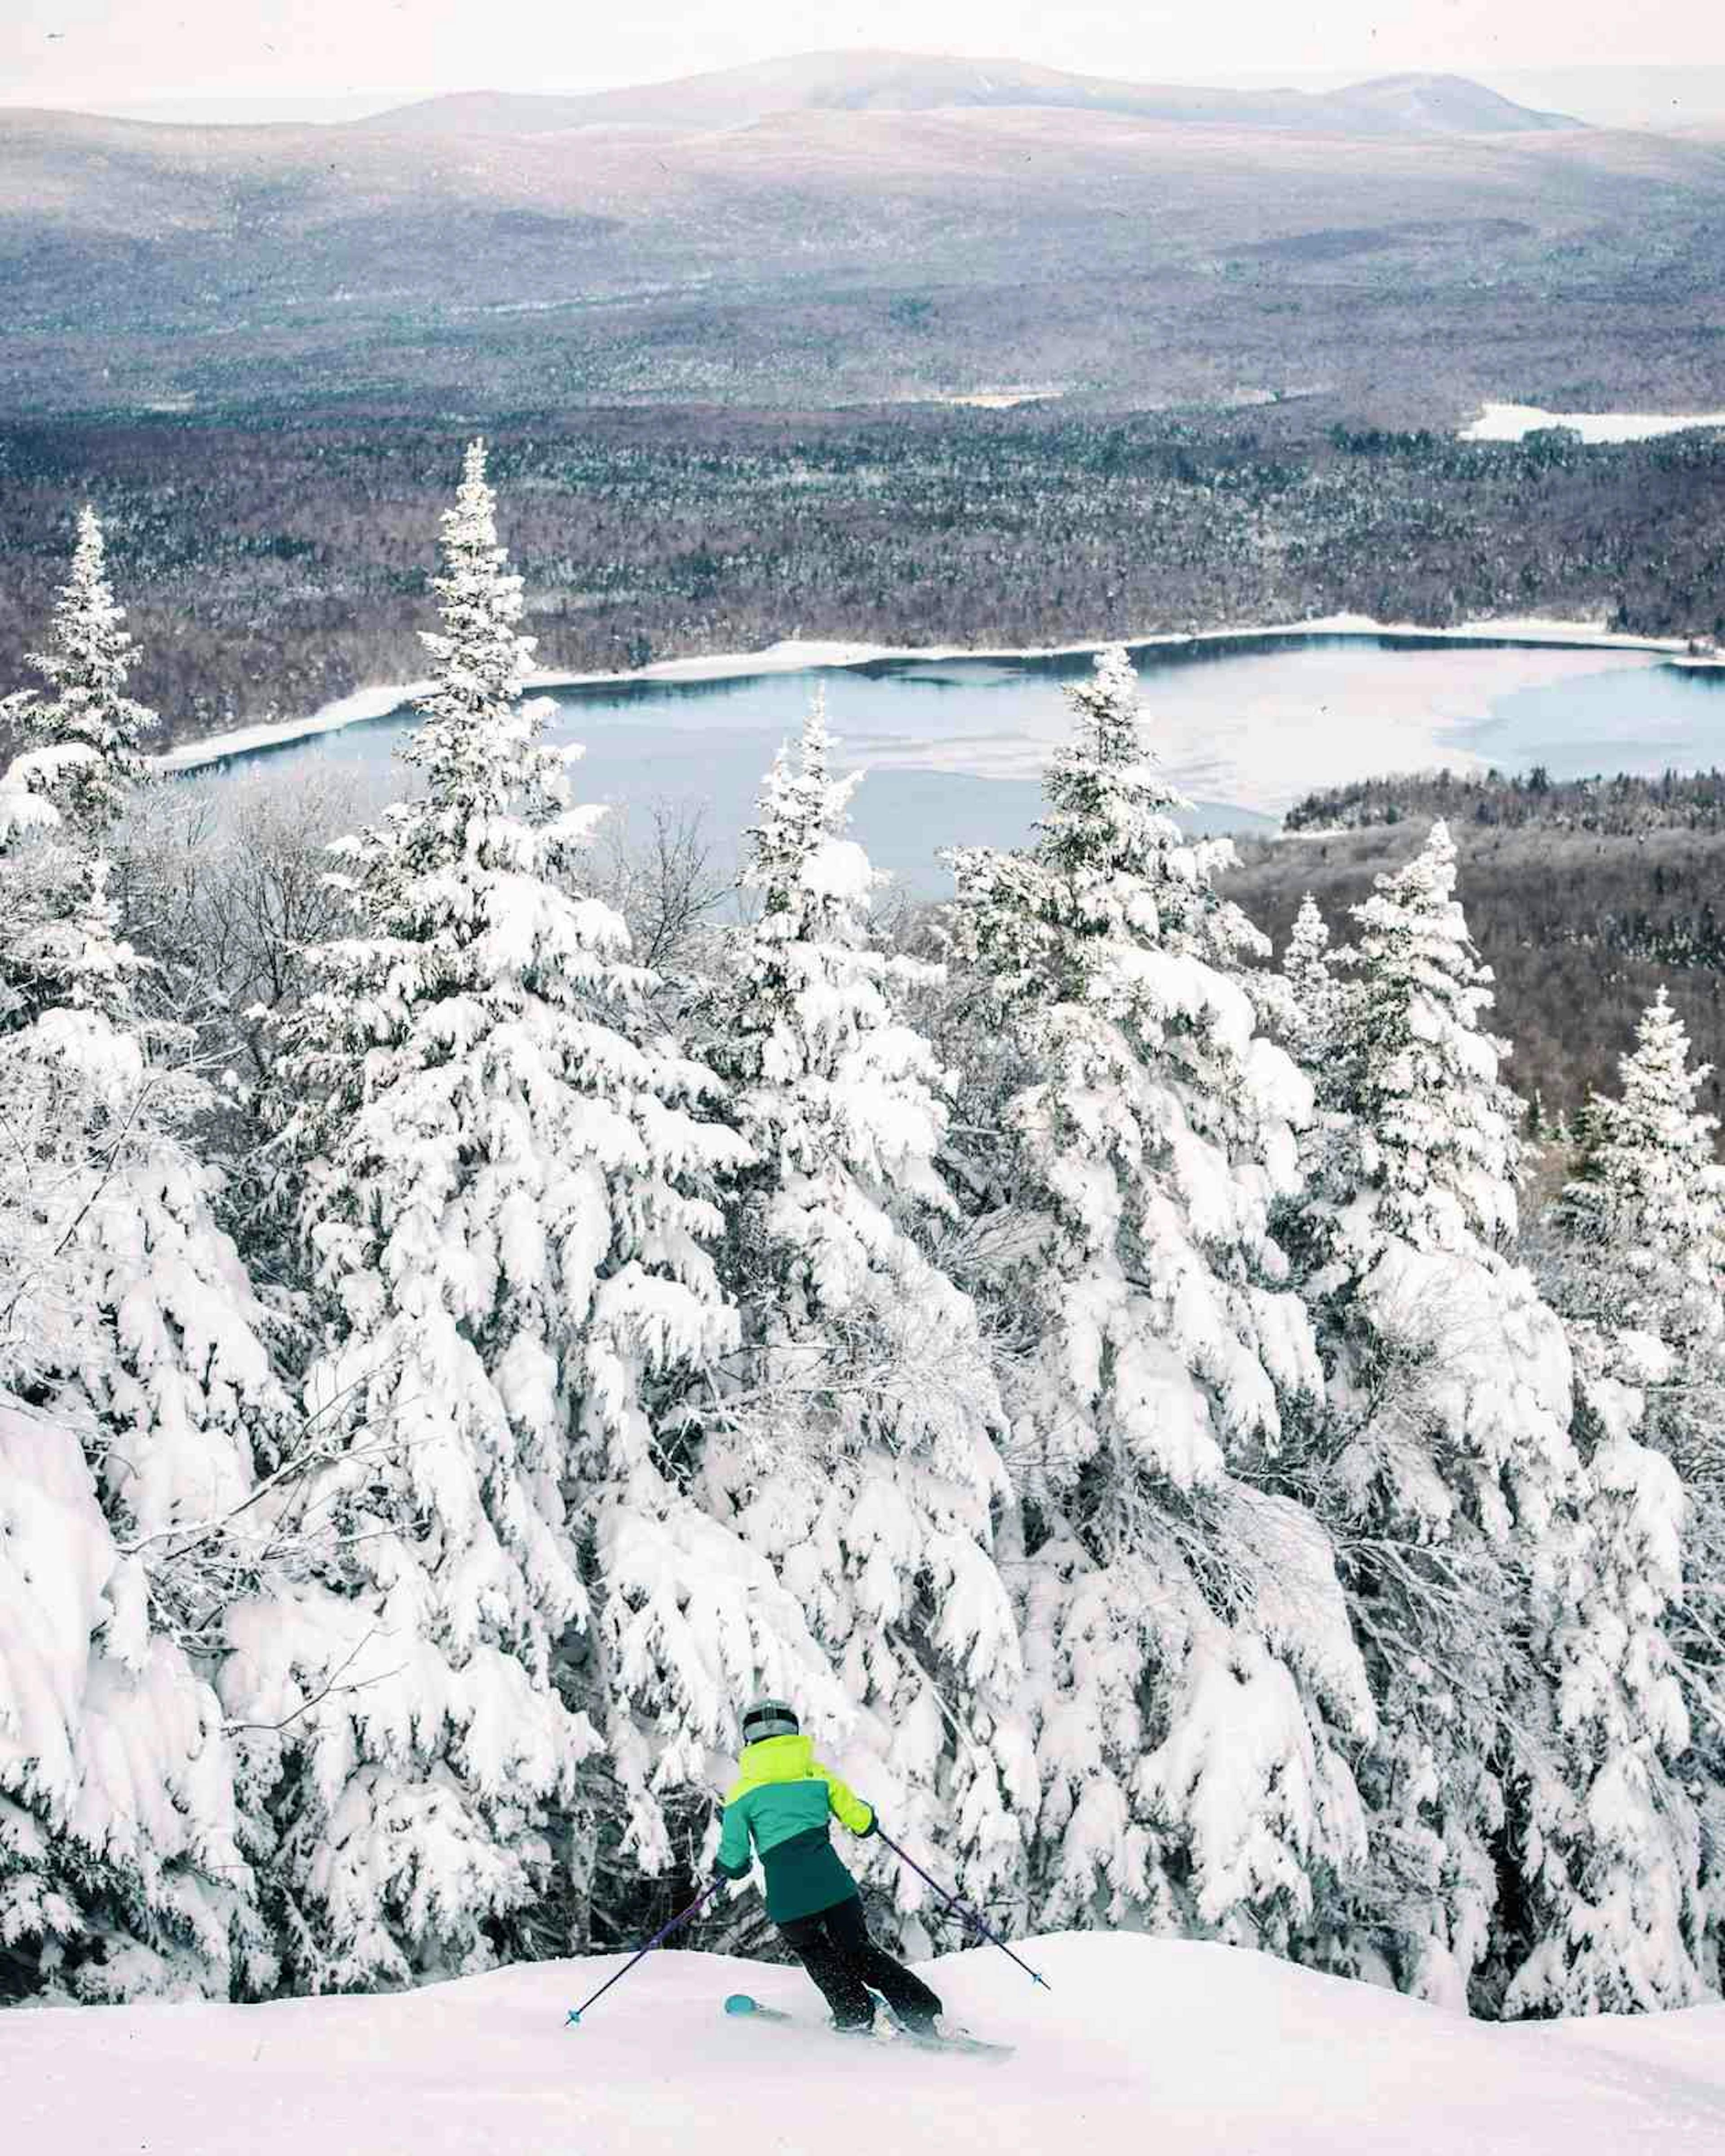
[(953, 749)]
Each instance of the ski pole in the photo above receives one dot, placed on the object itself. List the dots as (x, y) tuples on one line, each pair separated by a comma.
[(969, 1915), (663, 1932)]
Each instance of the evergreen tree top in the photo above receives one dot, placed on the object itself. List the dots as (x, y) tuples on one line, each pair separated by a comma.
[(1645, 1215), (497, 802), (1657, 1071), (1317, 995), (85, 728), (1111, 867), (810, 1033), (1418, 1072), (93, 648), (811, 878), (477, 743), (1109, 804), (1309, 939)]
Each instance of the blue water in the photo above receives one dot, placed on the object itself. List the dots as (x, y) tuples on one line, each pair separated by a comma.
[(951, 749)]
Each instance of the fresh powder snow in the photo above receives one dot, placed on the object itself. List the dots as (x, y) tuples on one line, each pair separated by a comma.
[(1141, 2044)]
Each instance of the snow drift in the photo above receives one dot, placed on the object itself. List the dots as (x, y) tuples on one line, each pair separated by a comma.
[(1142, 2044)]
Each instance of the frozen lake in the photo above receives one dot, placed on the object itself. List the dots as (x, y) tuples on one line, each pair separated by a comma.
[(952, 748)]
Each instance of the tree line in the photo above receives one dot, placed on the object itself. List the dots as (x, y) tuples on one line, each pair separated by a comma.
[(1585, 898), (1102, 1377), (269, 560)]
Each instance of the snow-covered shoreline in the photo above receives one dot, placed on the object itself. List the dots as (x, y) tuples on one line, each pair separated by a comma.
[(1514, 422), (793, 655)]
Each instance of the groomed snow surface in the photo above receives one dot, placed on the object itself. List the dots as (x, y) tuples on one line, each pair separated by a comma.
[(1142, 2045)]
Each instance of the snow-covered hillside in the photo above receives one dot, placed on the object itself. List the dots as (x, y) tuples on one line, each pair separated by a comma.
[(1142, 2045)]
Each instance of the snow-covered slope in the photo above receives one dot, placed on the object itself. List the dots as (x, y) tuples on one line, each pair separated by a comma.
[(1184, 2049)]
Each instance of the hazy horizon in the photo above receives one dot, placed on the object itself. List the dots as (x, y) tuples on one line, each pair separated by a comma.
[(211, 59), (1602, 96)]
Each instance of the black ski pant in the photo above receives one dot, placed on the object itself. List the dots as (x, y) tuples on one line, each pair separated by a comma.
[(834, 1947)]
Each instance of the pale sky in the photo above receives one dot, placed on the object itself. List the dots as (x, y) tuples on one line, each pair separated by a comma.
[(110, 53)]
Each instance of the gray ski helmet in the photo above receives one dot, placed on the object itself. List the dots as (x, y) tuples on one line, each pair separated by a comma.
[(769, 1717)]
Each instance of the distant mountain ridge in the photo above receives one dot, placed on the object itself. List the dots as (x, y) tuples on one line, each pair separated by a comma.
[(911, 82), (835, 252)]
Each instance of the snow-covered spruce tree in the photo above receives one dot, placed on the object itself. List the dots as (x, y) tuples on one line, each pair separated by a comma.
[(1480, 1592), (129, 1315), (504, 1191), (1309, 1021), (128, 1326), (1639, 1244), (1192, 1680), (82, 707), (1634, 1262), (1318, 995), (856, 1447), (121, 1873), (1611, 1911), (1397, 1237)]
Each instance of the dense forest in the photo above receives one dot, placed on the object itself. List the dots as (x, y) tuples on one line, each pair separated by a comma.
[(1619, 806), (1102, 1367), (272, 563), (1586, 898)]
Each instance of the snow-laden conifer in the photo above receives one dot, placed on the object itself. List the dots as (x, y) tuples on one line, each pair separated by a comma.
[(128, 1319), (504, 1188), (1436, 1126), (127, 1310), (82, 715), (1192, 1678), (1611, 1912), (1616, 1901), (1453, 1478), (1317, 993), (1639, 1240), (121, 1872), (860, 1454), (1309, 1023), (59, 948)]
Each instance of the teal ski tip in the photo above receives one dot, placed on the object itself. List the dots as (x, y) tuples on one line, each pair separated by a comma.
[(574, 2019), (739, 2002)]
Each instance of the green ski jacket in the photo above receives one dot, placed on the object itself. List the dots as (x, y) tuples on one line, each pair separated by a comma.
[(781, 1803)]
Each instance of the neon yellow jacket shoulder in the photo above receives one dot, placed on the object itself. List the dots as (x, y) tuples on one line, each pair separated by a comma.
[(782, 1791)]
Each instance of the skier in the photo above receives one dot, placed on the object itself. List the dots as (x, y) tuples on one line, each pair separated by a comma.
[(781, 1802)]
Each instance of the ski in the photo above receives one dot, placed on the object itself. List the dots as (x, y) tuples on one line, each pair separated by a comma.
[(740, 2003), (742, 2007), (960, 2040)]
